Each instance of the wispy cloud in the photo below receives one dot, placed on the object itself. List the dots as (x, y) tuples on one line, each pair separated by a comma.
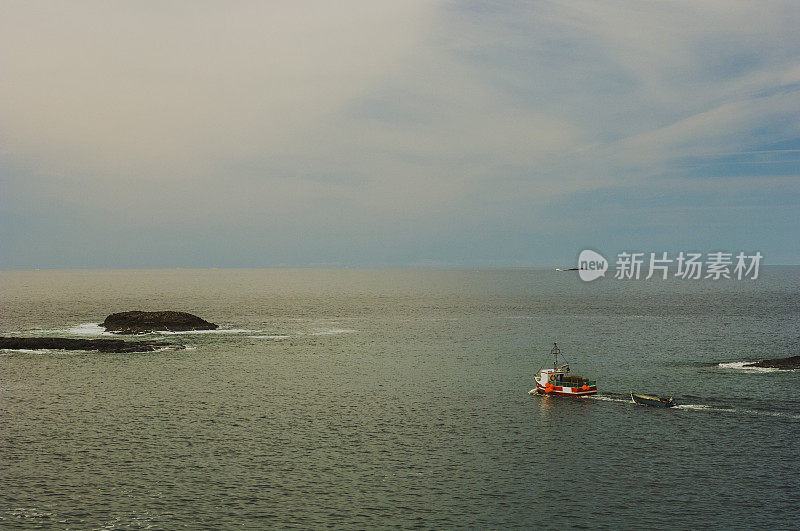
[(401, 132)]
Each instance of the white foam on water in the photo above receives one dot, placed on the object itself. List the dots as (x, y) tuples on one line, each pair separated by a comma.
[(704, 407), (743, 366), (82, 329), (88, 329), (217, 331), (94, 329), (84, 351), (609, 399), (708, 408), (166, 347), (298, 334), (31, 350), (330, 331), (771, 413)]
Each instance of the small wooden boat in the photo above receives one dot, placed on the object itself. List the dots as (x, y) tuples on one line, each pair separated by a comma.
[(649, 400)]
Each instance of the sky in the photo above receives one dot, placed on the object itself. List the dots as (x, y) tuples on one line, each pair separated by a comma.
[(368, 133)]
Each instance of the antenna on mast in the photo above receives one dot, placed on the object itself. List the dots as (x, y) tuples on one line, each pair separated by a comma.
[(555, 351)]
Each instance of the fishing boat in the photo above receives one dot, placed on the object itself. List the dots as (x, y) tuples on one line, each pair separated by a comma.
[(649, 400), (559, 382)]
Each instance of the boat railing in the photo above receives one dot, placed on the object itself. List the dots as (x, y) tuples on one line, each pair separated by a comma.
[(575, 384)]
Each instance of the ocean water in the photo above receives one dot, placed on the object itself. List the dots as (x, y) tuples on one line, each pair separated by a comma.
[(355, 398)]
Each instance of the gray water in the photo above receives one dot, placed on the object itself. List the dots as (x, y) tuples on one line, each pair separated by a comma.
[(399, 398)]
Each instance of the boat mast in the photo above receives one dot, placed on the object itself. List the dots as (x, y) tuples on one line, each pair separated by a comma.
[(555, 352)]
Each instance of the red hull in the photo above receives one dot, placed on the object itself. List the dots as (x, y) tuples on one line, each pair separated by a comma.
[(560, 391)]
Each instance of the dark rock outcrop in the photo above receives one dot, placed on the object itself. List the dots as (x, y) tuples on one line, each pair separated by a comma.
[(102, 345), (142, 322), (789, 363)]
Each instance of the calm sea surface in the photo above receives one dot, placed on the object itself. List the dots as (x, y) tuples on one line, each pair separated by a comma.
[(399, 398)]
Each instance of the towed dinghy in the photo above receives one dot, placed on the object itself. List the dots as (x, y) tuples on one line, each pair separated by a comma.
[(655, 401)]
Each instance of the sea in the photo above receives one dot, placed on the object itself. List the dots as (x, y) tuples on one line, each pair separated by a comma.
[(399, 399)]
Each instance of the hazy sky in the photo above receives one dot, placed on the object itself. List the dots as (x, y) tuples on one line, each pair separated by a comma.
[(395, 133)]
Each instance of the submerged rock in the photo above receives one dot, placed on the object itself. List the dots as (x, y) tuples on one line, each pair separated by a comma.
[(66, 343), (792, 362), (142, 322)]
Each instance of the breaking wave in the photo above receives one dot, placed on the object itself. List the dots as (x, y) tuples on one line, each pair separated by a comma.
[(88, 329), (743, 366)]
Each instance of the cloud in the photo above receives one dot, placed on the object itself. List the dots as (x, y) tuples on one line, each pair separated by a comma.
[(370, 126), (119, 91)]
